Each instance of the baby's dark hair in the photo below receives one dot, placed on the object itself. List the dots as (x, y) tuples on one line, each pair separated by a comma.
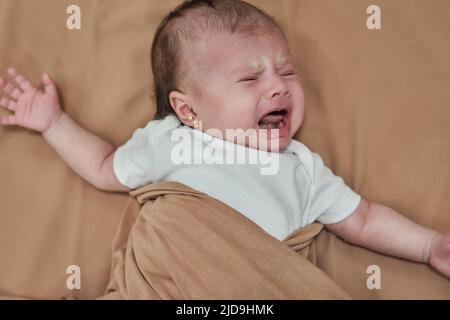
[(188, 22)]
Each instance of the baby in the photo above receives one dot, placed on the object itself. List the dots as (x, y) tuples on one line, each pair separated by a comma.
[(225, 66)]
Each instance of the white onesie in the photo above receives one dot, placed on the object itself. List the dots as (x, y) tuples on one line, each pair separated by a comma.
[(303, 190)]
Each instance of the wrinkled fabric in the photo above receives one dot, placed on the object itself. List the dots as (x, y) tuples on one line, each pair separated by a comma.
[(184, 244)]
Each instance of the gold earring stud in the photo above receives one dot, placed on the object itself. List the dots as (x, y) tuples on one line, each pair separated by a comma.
[(190, 117)]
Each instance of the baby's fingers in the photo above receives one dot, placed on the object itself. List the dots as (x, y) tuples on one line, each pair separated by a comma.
[(20, 79), (8, 103), (49, 85), (8, 121), (10, 89)]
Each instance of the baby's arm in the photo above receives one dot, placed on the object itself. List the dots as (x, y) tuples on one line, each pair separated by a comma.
[(87, 154), (383, 229)]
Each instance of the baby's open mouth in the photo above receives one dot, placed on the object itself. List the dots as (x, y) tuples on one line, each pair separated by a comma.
[(274, 120)]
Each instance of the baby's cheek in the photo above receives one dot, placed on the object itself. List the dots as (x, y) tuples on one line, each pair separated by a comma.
[(240, 118), (240, 121), (299, 94), (298, 100)]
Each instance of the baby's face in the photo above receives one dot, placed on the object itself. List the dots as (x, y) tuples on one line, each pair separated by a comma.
[(241, 80)]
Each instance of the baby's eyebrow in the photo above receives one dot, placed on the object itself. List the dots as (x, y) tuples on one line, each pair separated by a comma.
[(259, 67), (282, 62)]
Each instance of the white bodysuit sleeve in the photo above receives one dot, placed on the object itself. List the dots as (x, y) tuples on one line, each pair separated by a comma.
[(133, 161), (331, 200)]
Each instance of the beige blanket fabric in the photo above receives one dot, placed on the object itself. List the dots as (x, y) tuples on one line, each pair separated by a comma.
[(183, 244)]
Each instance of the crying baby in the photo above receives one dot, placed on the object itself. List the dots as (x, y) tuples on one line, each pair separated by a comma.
[(229, 101)]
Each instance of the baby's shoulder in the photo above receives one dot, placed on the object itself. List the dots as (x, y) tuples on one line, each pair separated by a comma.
[(153, 131), (161, 126)]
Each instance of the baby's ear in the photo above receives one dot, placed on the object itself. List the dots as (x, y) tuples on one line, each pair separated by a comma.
[(181, 104)]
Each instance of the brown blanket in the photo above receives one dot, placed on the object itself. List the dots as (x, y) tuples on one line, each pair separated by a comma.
[(183, 244)]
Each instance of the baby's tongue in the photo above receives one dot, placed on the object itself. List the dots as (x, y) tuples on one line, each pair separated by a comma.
[(270, 121)]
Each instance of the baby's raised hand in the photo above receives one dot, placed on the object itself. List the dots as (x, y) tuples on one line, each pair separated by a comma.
[(439, 257), (33, 108)]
